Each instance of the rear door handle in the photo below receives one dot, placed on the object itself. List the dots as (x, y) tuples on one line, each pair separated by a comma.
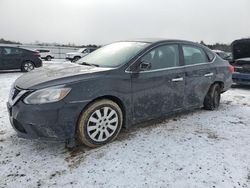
[(177, 79), (209, 74)]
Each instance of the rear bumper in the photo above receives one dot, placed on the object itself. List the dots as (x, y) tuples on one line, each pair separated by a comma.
[(241, 78)]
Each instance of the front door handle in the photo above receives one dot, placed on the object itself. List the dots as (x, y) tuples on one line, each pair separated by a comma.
[(177, 79), (209, 74)]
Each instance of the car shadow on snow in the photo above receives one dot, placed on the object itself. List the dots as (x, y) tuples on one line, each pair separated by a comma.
[(78, 153), (9, 71), (75, 155)]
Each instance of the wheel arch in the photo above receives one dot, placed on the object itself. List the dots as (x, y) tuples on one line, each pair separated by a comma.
[(76, 56), (221, 84), (25, 60)]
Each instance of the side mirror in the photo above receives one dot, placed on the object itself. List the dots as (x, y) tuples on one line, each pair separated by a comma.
[(145, 66)]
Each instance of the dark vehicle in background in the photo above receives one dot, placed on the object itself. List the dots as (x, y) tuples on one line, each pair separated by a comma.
[(75, 56), (241, 61), (224, 55), (117, 86), (12, 58), (45, 54)]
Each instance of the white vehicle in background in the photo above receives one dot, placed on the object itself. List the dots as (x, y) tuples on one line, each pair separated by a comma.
[(74, 56), (45, 54)]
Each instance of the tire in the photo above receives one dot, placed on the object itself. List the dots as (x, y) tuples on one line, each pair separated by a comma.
[(76, 58), (48, 58), (27, 66), (212, 99), (94, 128)]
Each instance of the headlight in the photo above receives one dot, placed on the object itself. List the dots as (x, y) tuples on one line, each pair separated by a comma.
[(47, 95)]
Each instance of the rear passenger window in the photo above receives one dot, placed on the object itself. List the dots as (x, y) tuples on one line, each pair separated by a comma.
[(162, 57), (11, 51), (194, 55)]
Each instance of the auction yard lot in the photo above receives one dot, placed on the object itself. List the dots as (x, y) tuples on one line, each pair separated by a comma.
[(196, 149)]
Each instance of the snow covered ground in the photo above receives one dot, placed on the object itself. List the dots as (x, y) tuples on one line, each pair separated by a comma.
[(195, 149)]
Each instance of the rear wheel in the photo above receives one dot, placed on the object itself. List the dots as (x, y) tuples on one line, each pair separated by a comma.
[(212, 99), (100, 123), (48, 58), (27, 66)]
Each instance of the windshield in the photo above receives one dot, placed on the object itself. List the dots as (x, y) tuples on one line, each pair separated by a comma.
[(113, 55), (81, 49)]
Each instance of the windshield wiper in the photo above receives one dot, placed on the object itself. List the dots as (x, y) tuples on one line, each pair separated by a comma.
[(89, 64)]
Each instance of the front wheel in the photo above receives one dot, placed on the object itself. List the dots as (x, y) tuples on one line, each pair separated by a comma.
[(212, 99), (76, 59), (27, 66), (100, 123)]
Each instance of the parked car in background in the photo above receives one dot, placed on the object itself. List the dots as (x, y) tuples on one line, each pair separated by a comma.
[(74, 56), (117, 86), (241, 61), (224, 55), (45, 54), (19, 58)]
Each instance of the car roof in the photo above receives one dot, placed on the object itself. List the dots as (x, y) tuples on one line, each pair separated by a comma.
[(9, 46), (25, 49), (159, 40)]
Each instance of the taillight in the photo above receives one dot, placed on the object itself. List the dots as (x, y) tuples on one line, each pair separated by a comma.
[(37, 54), (231, 68)]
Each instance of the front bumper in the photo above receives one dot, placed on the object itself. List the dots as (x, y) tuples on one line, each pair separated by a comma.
[(241, 78), (51, 122)]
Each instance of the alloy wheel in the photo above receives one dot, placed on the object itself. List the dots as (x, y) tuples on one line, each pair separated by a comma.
[(102, 124), (28, 66)]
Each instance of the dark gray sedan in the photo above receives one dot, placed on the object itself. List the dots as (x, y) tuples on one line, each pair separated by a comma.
[(12, 58), (117, 86)]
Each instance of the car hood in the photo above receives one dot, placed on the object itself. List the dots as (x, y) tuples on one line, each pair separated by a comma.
[(57, 75)]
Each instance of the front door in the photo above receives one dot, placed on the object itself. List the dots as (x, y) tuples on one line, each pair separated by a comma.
[(158, 84)]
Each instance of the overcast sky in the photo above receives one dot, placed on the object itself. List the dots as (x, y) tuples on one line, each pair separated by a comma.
[(104, 21)]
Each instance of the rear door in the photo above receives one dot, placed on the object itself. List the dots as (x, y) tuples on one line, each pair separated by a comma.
[(11, 58), (200, 74), (158, 85)]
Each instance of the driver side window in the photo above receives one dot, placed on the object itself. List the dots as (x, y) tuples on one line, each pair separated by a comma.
[(165, 56)]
